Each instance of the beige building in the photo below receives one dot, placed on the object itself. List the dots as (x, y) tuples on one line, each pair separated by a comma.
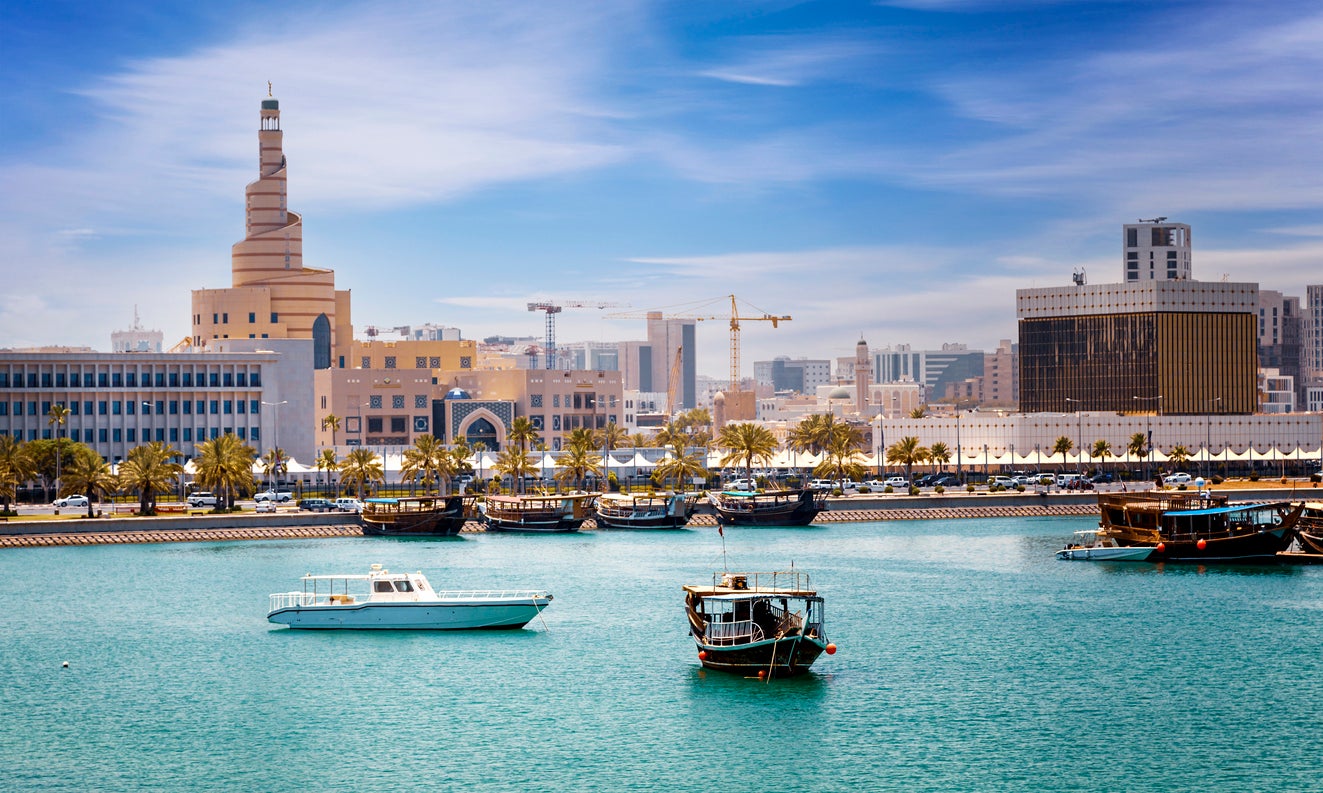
[(273, 294), (557, 402)]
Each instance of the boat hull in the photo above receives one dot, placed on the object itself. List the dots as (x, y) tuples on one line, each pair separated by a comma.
[(754, 510), (642, 522), (439, 525), (563, 525), (1130, 554), (411, 616), (786, 657), (1261, 547)]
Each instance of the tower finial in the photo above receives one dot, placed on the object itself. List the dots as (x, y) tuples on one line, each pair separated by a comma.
[(268, 88)]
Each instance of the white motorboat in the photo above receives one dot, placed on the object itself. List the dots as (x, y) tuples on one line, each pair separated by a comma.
[(384, 600), (1097, 545)]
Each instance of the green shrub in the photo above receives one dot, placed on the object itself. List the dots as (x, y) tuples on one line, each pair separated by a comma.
[(1019, 488), (939, 490), (969, 488), (914, 491), (889, 489), (865, 489), (1254, 476)]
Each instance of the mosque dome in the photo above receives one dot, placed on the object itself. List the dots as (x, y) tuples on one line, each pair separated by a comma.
[(457, 393), (839, 393)]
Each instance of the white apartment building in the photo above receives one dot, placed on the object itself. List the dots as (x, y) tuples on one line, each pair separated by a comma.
[(1156, 251)]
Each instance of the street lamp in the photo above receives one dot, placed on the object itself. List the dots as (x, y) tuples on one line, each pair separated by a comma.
[(881, 444), (1079, 430), (1148, 431), (275, 432), (1208, 436), (960, 474)]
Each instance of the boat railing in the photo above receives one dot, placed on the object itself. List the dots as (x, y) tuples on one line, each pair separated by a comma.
[(289, 600), (756, 582), (503, 594), (739, 632)]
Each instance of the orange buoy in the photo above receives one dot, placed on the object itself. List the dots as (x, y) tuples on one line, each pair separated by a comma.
[(762, 673), (1202, 544), (831, 649), (702, 655), (1162, 547)]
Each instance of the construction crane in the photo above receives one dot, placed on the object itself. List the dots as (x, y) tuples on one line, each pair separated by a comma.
[(735, 320), (372, 331), (673, 382), (554, 308)]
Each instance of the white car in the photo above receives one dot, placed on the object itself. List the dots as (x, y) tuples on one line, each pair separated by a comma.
[(266, 506), (201, 499), (348, 505), (272, 495), (897, 481), (1177, 479), (70, 502)]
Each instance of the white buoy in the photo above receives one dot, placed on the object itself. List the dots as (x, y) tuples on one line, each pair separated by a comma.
[(65, 664)]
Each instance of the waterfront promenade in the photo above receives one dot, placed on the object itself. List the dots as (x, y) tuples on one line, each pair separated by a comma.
[(293, 525)]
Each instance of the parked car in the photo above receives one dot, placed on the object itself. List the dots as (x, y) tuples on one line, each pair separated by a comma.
[(266, 506), (348, 505), (315, 505), (70, 502), (821, 484), (896, 482), (1000, 481), (201, 498), (945, 480), (273, 495), (1103, 478), (1177, 479), (739, 484)]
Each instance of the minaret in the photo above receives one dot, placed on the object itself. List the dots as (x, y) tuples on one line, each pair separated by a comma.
[(862, 371), (273, 238)]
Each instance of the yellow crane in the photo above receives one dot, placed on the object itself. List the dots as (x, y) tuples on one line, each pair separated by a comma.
[(735, 319), (673, 382)]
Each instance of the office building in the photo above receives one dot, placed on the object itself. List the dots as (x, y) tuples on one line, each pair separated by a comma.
[(1156, 251)]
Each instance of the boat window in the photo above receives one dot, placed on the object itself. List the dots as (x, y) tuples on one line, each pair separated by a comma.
[(404, 586), (382, 586)]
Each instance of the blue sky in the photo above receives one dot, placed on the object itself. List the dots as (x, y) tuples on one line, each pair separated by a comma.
[(890, 170)]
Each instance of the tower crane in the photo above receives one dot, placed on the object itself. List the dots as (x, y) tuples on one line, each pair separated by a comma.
[(735, 320), (553, 308)]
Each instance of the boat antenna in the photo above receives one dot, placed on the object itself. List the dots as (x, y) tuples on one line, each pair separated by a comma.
[(725, 568)]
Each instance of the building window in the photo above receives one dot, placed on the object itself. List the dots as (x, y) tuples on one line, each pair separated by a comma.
[(275, 317), (397, 401), (419, 401), (374, 402), (398, 424), (252, 317), (434, 362), (225, 318), (535, 400), (420, 362), (374, 424), (555, 400), (367, 362), (465, 362), (390, 361)]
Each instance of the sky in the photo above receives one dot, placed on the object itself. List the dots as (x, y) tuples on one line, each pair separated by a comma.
[(891, 171)]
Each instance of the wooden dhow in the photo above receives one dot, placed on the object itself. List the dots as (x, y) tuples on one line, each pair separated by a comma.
[(644, 510), (1199, 526), (418, 516), (793, 507), (561, 513)]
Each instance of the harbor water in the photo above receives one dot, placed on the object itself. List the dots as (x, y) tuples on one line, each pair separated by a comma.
[(970, 659)]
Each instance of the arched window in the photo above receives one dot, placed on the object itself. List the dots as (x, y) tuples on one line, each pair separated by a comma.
[(321, 342)]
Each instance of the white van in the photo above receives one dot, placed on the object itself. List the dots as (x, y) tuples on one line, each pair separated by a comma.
[(348, 505)]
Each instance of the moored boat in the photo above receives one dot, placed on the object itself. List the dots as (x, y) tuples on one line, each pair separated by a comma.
[(537, 513), (1097, 545), (1200, 527), (383, 600), (1310, 528), (418, 516), (644, 511), (757, 624), (794, 507)]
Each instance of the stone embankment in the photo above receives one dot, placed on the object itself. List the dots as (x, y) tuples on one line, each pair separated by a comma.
[(19, 534)]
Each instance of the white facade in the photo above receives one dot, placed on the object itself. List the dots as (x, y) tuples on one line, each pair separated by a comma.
[(1276, 392), (1137, 298), (1156, 251)]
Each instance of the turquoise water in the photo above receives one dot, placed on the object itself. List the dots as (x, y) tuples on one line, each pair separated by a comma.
[(970, 659)]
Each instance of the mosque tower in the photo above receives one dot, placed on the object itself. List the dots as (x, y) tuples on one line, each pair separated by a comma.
[(862, 372), (273, 294)]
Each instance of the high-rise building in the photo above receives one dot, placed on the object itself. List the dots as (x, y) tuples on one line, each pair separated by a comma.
[(273, 294), (1156, 251), (798, 375), (1280, 335), (1313, 334), (934, 369)]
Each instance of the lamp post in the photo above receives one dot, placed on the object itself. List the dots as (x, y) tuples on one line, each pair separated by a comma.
[(1079, 432), (1208, 436), (881, 444), (275, 433), (960, 474), (1148, 431)]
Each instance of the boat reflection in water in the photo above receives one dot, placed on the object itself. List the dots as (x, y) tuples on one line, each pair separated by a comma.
[(757, 624), (1200, 526)]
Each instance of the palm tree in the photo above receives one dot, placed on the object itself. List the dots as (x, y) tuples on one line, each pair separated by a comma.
[(478, 449), (16, 467), (275, 462), (609, 437), (1062, 447), (523, 433), (939, 454), (225, 466), (681, 467), (1102, 449), (89, 474), (576, 463), (327, 462), (149, 470), (746, 442), (515, 463), (812, 433), (919, 412), (1138, 446), (423, 459), (58, 414), (1179, 456), (842, 460), (907, 452), (331, 422), (360, 468)]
